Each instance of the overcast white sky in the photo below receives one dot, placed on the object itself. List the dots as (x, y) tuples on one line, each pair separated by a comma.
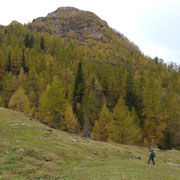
[(153, 25)]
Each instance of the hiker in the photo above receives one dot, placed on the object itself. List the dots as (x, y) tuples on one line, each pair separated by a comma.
[(152, 155)]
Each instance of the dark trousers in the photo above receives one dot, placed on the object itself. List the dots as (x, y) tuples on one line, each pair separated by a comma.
[(151, 158)]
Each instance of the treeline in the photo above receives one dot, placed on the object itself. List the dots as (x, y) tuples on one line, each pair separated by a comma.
[(106, 91)]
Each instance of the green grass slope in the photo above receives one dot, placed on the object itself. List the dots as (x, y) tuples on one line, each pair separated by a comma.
[(30, 150)]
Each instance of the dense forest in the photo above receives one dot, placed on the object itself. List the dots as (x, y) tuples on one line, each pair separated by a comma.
[(99, 86)]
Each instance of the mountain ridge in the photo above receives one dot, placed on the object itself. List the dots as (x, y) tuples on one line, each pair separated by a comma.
[(83, 28)]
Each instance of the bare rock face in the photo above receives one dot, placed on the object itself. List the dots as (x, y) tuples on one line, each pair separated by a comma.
[(69, 22), (63, 11)]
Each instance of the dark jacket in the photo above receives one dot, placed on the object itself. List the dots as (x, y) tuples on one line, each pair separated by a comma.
[(152, 152)]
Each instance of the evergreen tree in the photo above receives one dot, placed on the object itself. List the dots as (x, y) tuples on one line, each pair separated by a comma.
[(16, 59), (8, 64), (24, 62), (90, 110), (29, 41), (2, 64), (1, 102), (130, 91), (42, 43), (140, 88), (79, 88), (26, 41), (31, 87)]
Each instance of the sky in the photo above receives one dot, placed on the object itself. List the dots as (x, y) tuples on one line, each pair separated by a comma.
[(153, 25)]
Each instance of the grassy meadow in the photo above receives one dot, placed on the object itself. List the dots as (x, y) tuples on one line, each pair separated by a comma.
[(31, 150)]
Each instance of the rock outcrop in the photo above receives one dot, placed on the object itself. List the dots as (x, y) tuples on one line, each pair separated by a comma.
[(69, 22)]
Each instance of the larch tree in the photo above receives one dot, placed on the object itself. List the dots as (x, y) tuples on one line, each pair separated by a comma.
[(31, 87), (52, 105), (154, 124), (135, 116), (19, 101), (69, 123), (100, 129), (173, 121), (21, 77), (122, 128), (9, 84)]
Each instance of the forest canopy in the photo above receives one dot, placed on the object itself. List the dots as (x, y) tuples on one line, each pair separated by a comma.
[(106, 89)]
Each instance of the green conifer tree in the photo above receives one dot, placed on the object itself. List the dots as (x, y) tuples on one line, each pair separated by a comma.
[(90, 110), (2, 64), (1, 102), (79, 88), (42, 43)]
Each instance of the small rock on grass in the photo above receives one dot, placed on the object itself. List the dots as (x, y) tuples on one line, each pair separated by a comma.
[(16, 124), (8, 151), (138, 157), (173, 164), (75, 140)]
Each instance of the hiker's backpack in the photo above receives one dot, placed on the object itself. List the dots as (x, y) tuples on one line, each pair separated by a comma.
[(154, 153)]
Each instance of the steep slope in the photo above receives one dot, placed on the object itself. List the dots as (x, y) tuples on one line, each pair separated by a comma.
[(30, 150), (78, 26)]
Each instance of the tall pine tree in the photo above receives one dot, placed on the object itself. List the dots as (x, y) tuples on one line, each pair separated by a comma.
[(79, 88)]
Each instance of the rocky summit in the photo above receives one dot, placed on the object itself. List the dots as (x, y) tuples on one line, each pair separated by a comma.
[(71, 22)]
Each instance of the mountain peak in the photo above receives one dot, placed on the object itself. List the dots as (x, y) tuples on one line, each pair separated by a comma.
[(15, 22), (63, 11), (69, 22)]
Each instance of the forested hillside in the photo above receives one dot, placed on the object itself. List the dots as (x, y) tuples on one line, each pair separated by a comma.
[(71, 71)]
